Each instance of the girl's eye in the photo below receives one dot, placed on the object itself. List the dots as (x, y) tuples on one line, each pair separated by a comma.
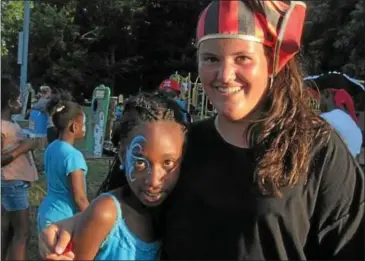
[(169, 163), (140, 165)]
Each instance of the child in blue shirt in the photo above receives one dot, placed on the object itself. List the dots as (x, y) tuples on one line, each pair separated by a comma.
[(121, 223), (65, 166)]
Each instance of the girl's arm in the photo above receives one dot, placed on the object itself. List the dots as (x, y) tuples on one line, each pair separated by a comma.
[(77, 180), (8, 157), (96, 222), (75, 169)]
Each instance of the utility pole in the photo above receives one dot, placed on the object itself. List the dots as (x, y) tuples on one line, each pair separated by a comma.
[(24, 56)]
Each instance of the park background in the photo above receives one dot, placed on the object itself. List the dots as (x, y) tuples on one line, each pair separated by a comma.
[(132, 45)]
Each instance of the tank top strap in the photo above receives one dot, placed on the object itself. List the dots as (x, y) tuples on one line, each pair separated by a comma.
[(117, 204), (114, 230)]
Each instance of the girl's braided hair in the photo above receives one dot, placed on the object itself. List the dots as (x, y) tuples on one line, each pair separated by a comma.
[(143, 108)]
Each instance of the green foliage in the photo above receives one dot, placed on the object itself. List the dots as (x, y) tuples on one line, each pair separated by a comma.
[(334, 37), (78, 44), (11, 24)]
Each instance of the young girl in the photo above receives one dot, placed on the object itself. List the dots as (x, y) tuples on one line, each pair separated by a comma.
[(65, 166), (17, 171), (120, 224)]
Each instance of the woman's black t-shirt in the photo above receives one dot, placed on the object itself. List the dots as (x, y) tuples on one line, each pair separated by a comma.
[(216, 211)]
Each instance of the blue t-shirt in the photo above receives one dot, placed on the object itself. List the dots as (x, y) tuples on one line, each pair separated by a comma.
[(60, 159), (122, 244), (183, 106), (118, 112), (346, 128)]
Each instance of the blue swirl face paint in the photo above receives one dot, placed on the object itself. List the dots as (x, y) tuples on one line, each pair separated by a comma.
[(133, 155)]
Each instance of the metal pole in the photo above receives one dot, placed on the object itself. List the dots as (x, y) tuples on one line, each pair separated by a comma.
[(24, 65)]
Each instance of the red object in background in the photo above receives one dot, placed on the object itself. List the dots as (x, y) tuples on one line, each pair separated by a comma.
[(344, 100), (313, 93), (67, 249), (170, 84)]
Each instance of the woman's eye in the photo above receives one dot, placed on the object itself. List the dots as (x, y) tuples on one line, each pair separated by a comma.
[(243, 59), (140, 165), (169, 163)]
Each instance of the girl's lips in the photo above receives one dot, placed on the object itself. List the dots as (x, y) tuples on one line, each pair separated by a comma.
[(152, 197)]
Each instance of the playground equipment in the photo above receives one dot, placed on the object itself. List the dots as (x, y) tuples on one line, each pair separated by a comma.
[(108, 147), (198, 105), (96, 119)]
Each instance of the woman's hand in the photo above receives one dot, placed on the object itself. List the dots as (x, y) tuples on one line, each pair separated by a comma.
[(55, 239)]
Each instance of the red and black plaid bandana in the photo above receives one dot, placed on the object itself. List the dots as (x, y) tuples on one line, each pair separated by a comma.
[(278, 25)]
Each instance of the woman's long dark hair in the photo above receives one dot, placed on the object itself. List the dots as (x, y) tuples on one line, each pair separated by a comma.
[(287, 131), (143, 108)]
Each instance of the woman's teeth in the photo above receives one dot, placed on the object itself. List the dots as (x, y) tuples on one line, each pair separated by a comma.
[(229, 90)]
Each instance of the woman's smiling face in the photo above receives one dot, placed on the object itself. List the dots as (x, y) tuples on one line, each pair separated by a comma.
[(234, 74)]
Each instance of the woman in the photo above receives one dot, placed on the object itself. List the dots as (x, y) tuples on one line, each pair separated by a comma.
[(266, 178)]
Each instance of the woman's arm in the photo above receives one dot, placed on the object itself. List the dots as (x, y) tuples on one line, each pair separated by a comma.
[(95, 224), (339, 213)]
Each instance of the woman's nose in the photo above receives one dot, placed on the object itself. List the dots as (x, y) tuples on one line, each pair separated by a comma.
[(226, 72)]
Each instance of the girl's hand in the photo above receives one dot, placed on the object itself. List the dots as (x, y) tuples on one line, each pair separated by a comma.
[(55, 239)]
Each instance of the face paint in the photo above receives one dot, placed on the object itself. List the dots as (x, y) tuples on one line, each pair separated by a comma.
[(132, 156)]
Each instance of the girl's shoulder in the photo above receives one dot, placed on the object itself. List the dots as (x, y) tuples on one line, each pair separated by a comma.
[(105, 210)]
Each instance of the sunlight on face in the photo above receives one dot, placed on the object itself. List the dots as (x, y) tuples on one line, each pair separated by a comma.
[(234, 74)]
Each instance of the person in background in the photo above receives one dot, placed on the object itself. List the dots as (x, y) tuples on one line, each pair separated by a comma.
[(347, 128), (18, 170), (65, 166), (41, 105), (343, 119), (171, 88), (334, 111), (119, 111)]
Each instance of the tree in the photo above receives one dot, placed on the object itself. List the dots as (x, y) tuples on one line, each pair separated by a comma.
[(334, 37), (55, 53), (11, 25)]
